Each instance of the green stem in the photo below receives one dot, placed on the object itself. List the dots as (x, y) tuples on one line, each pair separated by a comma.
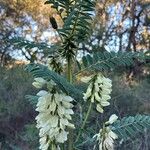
[(103, 136), (84, 122), (53, 146), (69, 69), (69, 76), (62, 147)]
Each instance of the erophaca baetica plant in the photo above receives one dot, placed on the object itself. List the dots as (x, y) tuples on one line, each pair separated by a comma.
[(98, 91)]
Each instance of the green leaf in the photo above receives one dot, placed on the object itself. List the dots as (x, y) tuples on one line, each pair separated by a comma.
[(22, 43), (32, 99), (129, 127), (109, 60), (78, 21), (38, 70), (47, 2)]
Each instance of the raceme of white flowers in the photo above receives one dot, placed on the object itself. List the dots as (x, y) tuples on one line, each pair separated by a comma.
[(98, 91), (106, 137), (55, 112)]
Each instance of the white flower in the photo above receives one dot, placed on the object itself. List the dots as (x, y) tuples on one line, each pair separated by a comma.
[(97, 97), (39, 83), (106, 139), (44, 143), (62, 137), (67, 98), (55, 111), (67, 104), (109, 139), (99, 91), (112, 119), (97, 88), (105, 97), (88, 92), (53, 132), (105, 103), (99, 108), (106, 91), (42, 93)]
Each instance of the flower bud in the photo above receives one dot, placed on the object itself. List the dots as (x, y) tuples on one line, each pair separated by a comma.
[(112, 119), (39, 83)]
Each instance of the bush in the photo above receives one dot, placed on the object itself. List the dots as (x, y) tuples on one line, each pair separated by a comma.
[(15, 110)]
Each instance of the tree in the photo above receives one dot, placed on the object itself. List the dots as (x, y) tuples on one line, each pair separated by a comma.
[(22, 18)]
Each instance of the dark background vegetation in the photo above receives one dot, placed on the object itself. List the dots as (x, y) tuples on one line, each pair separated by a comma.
[(118, 25)]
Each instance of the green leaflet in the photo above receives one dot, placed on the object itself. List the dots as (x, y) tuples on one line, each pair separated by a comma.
[(38, 70), (22, 43), (32, 99), (129, 127), (101, 61), (78, 21)]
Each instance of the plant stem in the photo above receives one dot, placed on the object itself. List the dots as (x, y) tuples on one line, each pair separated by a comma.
[(69, 69), (69, 76), (62, 147), (53, 147), (84, 122), (103, 136)]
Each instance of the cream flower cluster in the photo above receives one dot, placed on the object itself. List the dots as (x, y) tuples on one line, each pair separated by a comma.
[(106, 142), (55, 111), (106, 137), (98, 91)]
